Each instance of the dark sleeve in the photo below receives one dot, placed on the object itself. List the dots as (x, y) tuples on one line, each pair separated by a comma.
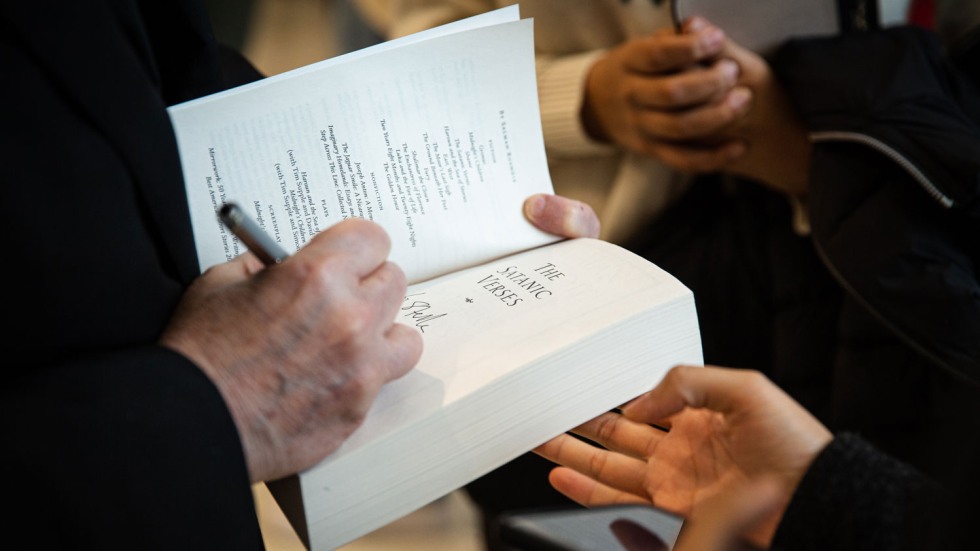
[(235, 69), (130, 450), (856, 497)]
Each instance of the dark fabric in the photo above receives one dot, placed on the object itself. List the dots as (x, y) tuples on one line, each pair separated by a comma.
[(907, 366), (764, 301), (855, 497), (111, 442)]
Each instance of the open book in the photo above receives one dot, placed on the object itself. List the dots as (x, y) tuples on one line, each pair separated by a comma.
[(437, 138)]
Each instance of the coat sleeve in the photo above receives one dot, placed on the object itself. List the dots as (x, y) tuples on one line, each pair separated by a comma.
[(129, 450), (856, 497)]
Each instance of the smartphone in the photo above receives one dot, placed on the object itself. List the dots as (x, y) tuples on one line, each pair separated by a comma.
[(608, 528)]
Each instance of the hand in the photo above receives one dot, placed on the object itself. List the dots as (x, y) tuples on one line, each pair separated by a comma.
[(561, 216), (778, 153), (718, 522), (668, 97), (299, 350), (727, 426), (715, 525)]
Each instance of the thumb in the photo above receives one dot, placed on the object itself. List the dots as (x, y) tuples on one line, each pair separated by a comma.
[(242, 267), (561, 216), (718, 389)]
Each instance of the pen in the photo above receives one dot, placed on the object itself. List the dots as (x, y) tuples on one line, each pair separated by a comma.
[(245, 229)]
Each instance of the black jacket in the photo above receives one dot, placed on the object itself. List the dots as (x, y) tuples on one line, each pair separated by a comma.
[(894, 206), (110, 441)]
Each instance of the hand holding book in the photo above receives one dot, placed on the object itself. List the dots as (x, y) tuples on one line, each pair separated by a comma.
[(437, 138)]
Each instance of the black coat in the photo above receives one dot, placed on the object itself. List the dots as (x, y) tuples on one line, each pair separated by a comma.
[(110, 441), (894, 206)]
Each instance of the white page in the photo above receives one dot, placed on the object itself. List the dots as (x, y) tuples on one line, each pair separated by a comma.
[(480, 324), (500, 15), (438, 141), (501, 371)]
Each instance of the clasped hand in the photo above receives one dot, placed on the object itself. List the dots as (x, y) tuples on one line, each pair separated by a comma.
[(698, 102)]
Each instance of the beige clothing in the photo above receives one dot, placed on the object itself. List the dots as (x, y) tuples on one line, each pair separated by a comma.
[(623, 188)]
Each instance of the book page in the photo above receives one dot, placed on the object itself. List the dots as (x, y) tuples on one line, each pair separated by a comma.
[(482, 323), (501, 15), (439, 141)]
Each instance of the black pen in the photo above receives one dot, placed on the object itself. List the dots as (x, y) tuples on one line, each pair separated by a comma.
[(249, 232)]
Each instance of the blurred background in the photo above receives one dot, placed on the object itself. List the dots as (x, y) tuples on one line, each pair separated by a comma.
[(276, 36)]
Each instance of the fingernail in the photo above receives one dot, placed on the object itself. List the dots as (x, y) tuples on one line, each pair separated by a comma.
[(738, 98), (697, 23), (534, 206), (712, 38), (730, 70)]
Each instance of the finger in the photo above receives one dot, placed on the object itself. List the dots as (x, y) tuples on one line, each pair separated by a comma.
[(385, 288), (727, 518), (612, 469), (669, 52), (699, 122), (694, 24), (691, 87), (405, 345), (561, 216), (614, 432), (718, 389), (689, 158), (242, 267), (361, 245), (586, 491)]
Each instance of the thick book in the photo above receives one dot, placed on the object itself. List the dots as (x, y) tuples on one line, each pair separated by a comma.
[(437, 137)]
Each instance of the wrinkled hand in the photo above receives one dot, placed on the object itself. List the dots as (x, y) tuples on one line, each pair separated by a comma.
[(299, 350), (727, 427), (561, 216), (668, 96)]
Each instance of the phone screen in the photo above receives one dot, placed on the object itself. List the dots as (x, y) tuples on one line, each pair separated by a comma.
[(609, 528)]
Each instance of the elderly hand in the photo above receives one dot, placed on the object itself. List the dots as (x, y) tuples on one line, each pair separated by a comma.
[(561, 216), (299, 350)]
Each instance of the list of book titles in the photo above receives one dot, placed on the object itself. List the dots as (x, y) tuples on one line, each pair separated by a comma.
[(397, 181)]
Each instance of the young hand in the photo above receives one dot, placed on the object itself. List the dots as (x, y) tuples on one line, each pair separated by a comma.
[(668, 96), (777, 140), (726, 427)]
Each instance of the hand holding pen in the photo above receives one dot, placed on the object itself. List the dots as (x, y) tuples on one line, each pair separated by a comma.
[(298, 352)]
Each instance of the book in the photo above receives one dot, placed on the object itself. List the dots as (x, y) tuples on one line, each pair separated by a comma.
[(764, 25), (437, 137)]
